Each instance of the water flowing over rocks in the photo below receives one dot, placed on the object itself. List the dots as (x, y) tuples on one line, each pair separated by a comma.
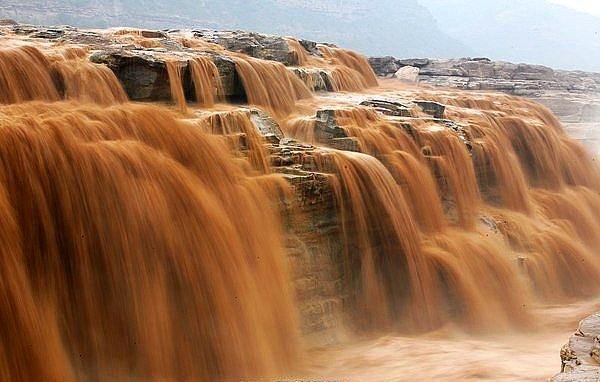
[(145, 78), (485, 74), (257, 45), (266, 193)]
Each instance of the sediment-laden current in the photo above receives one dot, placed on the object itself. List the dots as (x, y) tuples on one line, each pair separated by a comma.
[(150, 240)]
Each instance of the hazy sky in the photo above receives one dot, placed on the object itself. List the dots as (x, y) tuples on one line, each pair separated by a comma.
[(589, 6)]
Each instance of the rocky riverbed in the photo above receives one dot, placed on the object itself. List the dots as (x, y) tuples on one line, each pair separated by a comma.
[(412, 119), (574, 96)]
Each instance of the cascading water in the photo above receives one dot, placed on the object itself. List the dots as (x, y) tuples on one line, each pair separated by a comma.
[(142, 242), (121, 220), (207, 81), (174, 71), (270, 84)]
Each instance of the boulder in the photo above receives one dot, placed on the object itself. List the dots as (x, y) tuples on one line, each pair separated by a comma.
[(416, 62), (328, 131), (314, 78), (384, 66), (266, 126), (153, 33), (311, 47), (435, 109), (404, 108), (409, 74), (48, 33), (580, 357), (144, 73)]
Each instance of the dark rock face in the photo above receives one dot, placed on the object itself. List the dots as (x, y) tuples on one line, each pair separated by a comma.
[(313, 235), (435, 109), (416, 62), (314, 249), (314, 78), (580, 357), (311, 47), (328, 131), (144, 74), (232, 84), (144, 77), (384, 66)]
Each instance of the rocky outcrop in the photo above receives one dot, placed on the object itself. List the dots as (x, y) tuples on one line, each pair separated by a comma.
[(144, 75), (312, 230), (63, 33), (253, 44), (316, 79), (580, 357), (397, 108), (313, 244), (574, 96), (485, 74), (328, 130), (313, 240)]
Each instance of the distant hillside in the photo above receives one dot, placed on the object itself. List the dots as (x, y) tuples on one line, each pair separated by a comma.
[(375, 27), (533, 31)]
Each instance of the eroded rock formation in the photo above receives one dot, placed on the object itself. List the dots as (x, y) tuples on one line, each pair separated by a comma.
[(581, 355), (572, 95)]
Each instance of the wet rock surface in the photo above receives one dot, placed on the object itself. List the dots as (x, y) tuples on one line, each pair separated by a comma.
[(396, 108), (314, 78), (580, 357), (144, 74)]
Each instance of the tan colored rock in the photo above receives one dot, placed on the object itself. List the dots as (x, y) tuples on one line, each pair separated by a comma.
[(408, 74), (580, 357)]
